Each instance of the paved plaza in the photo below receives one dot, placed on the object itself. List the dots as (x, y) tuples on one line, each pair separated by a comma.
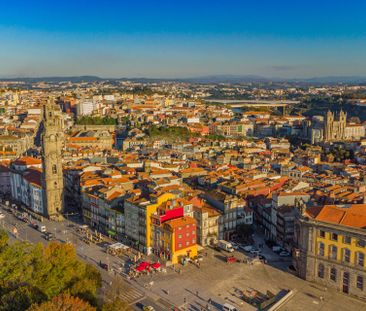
[(196, 288)]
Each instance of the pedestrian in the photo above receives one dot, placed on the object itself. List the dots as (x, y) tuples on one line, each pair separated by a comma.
[(209, 300), (185, 299), (197, 293)]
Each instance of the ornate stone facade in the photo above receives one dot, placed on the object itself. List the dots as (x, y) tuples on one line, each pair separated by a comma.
[(335, 128), (331, 254), (52, 145)]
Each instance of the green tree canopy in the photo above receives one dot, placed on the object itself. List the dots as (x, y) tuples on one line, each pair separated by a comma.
[(35, 273)]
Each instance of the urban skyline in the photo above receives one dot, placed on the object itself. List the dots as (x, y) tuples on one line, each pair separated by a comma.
[(183, 156), (164, 40)]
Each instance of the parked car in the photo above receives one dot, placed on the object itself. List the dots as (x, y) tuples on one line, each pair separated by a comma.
[(231, 259), (234, 245), (255, 251), (149, 308), (104, 266), (285, 254), (277, 248), (246, 248), (2, 215)]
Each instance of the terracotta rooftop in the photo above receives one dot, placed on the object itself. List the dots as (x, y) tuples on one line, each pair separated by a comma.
[(351, 215), (27, 161)]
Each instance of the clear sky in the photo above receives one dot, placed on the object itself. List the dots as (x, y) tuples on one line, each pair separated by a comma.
[(182, 38)]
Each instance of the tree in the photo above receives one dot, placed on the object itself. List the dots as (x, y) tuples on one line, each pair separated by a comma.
[(63, 302), (34, 273), (4, 238)]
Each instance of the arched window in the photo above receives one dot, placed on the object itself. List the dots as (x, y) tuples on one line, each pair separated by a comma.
[(333, 274), (321, 249), (54, 169), (321, 271), (333, 252), (360, 257), (346, 255)]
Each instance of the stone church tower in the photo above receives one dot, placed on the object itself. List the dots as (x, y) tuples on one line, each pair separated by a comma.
[(334, 130), (52, 145)]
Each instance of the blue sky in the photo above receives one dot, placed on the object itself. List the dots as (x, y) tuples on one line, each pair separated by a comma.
[(174, 38)]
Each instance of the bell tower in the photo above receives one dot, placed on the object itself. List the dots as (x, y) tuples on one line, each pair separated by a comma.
[(52, 145)]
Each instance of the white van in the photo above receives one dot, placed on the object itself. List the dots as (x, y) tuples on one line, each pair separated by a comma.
[(42, 228), (229, 307), (226, 246)]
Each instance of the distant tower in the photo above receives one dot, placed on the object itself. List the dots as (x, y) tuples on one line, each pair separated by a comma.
[(52, 144), (328, 126), (342, 124), (335, 130)]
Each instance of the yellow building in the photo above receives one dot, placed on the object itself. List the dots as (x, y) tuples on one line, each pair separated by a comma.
[(332, 247), (138, 211)]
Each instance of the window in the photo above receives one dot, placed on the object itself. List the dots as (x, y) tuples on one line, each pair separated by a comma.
[(187, 234), (359, 282), (180, 245), (360, 259), (333, 274), (346, 255), (321, 249), (361, 243), (54, 169), (322, 233), (193, 232), (179, 236), (334, 237), (187, 226), (187, 243), (321, 271), (193, 241), (346, 239), (333, 252)]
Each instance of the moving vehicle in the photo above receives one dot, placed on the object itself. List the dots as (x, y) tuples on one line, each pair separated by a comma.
[(228, 307), (225, 245), (285, 254), (104, 266), (39, 227), (49, 236)]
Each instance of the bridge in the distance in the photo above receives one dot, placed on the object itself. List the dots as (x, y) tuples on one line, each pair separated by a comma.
[(255, 103)]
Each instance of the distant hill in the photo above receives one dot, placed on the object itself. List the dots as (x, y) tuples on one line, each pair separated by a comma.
[(231, 79), (74, 79)]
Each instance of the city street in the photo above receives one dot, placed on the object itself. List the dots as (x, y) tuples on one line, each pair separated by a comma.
[(191, 287), (94, 254)]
